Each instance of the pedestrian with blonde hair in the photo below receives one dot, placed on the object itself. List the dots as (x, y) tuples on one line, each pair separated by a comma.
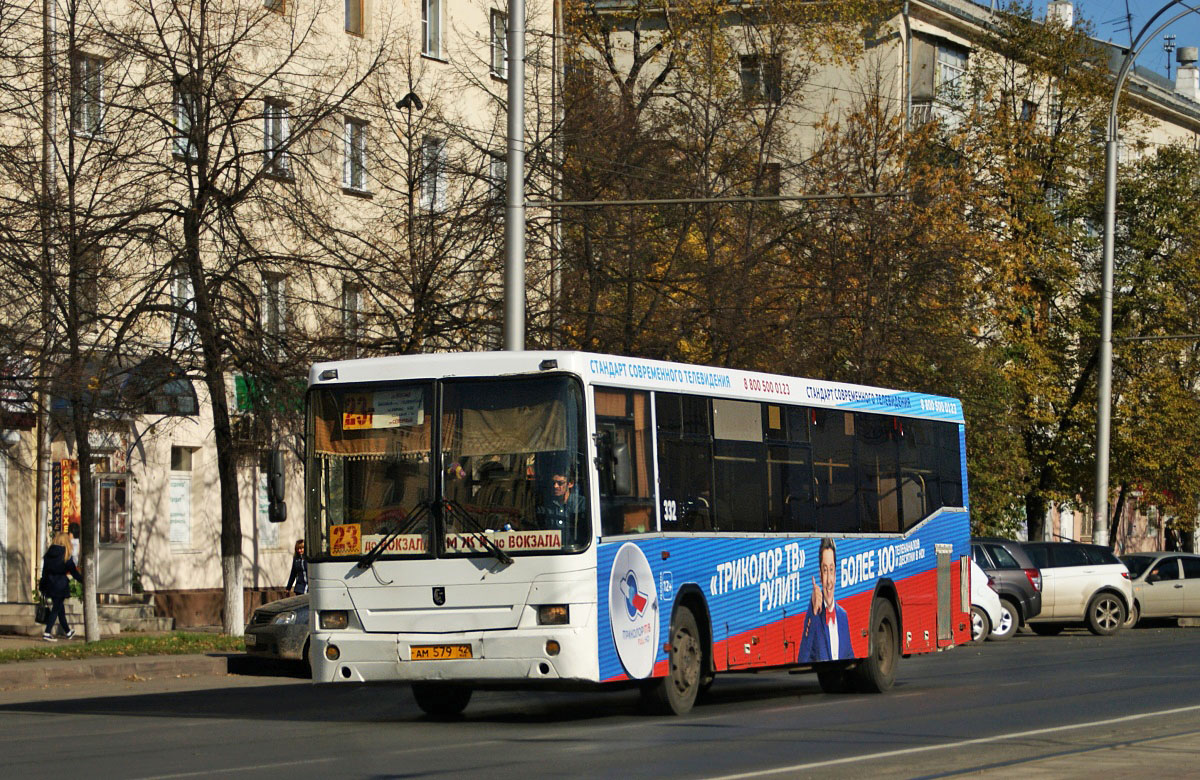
[(55, 585)]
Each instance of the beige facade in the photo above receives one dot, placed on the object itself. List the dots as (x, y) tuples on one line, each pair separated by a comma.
[(374, 193)]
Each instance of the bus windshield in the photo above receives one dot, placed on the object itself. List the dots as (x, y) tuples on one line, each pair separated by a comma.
[(509, 454), (512, 460)]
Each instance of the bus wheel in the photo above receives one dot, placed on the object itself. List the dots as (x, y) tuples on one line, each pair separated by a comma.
[(441, 700), (676, 693), (877, 672)]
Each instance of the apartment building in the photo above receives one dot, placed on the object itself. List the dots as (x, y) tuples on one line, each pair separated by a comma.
[(246, 187)]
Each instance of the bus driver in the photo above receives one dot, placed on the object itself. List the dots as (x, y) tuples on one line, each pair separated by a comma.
[(564, 505)]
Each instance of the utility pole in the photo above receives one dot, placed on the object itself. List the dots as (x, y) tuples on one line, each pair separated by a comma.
[(514, 210)]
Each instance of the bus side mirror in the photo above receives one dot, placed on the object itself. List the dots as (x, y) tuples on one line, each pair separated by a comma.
[(276, 506), (613, 464), (622, 469)]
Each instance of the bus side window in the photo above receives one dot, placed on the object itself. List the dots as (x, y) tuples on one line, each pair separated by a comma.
[(879, 505), (790, 504), (623, 454), (739, 464), (685, 462), (833, 470)]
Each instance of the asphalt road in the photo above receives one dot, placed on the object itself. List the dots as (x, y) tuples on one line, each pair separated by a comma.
[(1070, 704)]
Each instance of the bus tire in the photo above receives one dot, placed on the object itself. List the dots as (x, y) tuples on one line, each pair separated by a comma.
[(675, 693), (877, 672), (440, 700)]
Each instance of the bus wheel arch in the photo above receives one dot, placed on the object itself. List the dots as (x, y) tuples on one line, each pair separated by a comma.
[(675, 692), (692, 597), (885, 589), (877, 672)]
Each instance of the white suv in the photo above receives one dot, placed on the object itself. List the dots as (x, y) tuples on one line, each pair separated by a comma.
[(1081, 583)]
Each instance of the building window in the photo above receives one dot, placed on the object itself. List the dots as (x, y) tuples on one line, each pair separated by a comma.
[(88, 290), (761, 78), (276, 135), (354, 17), (183, 299), (432, 180), (179, 502), (354, 172), (181, 458), (498, 180), (948, 75), (187, 112), (273, 313), (431, 28), (499, 28), (1028, 111), (351, 316), (768, 180), (278, 6), (87, 95)]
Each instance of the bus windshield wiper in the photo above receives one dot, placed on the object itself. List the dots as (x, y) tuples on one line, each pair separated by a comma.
[(419, 511), (460, 512)]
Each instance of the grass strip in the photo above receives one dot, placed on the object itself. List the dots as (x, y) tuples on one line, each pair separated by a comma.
[(176, 643)]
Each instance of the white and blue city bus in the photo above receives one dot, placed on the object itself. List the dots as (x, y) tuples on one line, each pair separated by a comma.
[(562, 518)]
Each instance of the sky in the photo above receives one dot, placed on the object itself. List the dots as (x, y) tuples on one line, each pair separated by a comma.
[(1109, 23)]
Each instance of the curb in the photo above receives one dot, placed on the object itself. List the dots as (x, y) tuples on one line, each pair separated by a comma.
[(35, 674)]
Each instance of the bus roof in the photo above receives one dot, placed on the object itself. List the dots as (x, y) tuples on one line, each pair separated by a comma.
[(642, 374)]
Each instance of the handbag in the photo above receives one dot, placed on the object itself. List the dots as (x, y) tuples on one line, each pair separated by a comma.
[(41, 613)]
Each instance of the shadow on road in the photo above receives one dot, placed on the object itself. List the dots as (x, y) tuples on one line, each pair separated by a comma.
[(383, 703)]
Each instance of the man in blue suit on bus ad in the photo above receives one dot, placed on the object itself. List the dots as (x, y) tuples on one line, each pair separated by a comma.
[(826, 627)]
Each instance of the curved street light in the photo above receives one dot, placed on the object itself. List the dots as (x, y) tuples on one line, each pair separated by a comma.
[(1104, 389)]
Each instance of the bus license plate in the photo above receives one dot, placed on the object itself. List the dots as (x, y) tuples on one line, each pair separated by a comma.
[(440, 652)]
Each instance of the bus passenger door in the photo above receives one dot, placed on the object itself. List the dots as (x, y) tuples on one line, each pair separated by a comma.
[(624, 462)]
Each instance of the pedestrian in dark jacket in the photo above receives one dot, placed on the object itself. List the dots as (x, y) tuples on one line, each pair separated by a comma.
[(56, 566), (299, 575)]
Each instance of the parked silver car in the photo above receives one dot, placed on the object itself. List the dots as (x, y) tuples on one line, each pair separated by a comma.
[(280, 629), (1165, 584)]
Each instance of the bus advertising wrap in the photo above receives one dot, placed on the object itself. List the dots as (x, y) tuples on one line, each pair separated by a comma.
[(771, 601)]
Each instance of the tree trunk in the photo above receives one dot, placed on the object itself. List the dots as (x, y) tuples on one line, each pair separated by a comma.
[(1035, 517), (232, 617), (89, 530)]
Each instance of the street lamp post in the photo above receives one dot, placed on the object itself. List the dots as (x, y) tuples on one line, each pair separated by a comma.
[(1104, 385), (514, 209)]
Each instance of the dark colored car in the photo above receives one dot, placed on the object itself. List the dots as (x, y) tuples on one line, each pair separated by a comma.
[(1015, 578), (280, 629)]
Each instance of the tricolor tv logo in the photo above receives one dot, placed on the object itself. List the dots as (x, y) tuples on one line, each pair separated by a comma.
[(635, 601), (633, 611)]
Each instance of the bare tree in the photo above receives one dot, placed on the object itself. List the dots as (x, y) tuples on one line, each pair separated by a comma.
[(72, 237), (248, 101)]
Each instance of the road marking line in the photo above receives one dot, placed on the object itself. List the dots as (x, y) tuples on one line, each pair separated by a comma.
[(251, 768), (952, 745)]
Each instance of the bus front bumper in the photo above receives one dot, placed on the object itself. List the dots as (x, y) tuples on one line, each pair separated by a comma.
[(495, 656)]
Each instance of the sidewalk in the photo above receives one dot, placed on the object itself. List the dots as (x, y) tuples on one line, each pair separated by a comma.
[(1166, 757), (33, 674)]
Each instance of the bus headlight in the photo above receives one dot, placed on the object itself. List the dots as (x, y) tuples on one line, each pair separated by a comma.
[(334, 618), (553, 615)]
